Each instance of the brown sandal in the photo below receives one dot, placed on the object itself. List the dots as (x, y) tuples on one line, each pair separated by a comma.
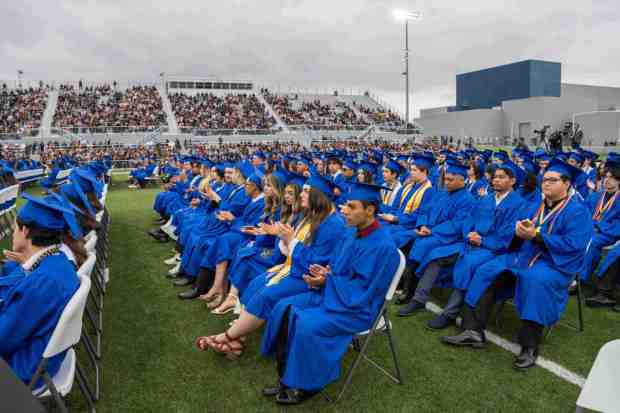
[(226, 349)]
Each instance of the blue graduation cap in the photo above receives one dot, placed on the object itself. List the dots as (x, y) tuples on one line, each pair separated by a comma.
[(564, 169), (281, 176), (501, 155), (322, 184), (367, 166), (45, 212), (577, 157), (256, 179), (350, 164), (394, 166), (297, 179), (87, 180), (424, 161), (245, 168), (365, 192), (517, 173), (70, 218), (613, 164), (258, 155), (74, 192), (457, 168)]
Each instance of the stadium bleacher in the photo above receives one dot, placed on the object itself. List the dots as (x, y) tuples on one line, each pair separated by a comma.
[(21, 109)]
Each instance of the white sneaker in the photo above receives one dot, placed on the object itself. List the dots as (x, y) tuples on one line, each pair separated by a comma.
[(174, 260), (133, 187), (175, 270)]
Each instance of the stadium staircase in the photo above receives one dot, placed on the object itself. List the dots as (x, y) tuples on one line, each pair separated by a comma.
[(273, 113), (48, 114), (173, 127)]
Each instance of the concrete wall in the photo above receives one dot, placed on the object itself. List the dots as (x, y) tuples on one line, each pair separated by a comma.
[(483, 123), (599, 127)]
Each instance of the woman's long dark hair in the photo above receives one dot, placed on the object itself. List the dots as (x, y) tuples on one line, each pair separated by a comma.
[(288, 212), (319, 208)]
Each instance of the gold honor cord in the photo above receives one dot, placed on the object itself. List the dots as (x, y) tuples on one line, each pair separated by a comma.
[(282, 270)]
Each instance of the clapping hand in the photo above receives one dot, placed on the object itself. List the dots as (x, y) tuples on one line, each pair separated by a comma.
[(285, 232), (225, 216), (318, 275), (525, 229), (423, 231), (268, 228), (474, 239)]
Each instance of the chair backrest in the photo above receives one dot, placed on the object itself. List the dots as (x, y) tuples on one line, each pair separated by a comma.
[(87, 267), (600, 392), (91, 243), (69, 328), (399, 273)]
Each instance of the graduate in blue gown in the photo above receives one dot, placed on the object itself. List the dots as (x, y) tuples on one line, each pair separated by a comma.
[(34, 294), (214, 264), (605, 210), (412, 198), (607, 282), (439, 233), (549, 248), (310, 333), (487, 233), (262, 253), (311, 242), (217, 223), (389, 196), (477, 184)]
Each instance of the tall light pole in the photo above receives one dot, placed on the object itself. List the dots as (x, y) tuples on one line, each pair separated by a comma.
[(406, 16)]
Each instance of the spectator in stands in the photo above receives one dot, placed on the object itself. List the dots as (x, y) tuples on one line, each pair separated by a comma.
[(21, 109)]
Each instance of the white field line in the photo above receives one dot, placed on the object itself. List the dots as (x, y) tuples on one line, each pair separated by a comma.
[(553, 367)]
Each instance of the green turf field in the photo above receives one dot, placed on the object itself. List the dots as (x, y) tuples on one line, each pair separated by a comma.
[(150, 364)]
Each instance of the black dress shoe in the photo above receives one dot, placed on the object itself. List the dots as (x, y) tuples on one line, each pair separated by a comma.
[(600, 300), (404, 298), (526, 359), (189, 294), (572, 289), (440, 322), (182, 282), (616, 308), (411, 308), (271, 391), (468, 338), (293, 396)]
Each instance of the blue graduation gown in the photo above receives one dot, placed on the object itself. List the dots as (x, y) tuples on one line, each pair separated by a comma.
[(203, 236), (255, 258), (404, 230), (611, 257), (445, 217), (259, 298), (322, 323), (606, 232), (474, 188), (226, 246), (29, 312), (541, 291), (496, 226)]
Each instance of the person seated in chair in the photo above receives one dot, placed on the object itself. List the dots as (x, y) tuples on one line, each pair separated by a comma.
[(606, 217), (607, 282), (439, 231), (310, 333), (487, 233), (34, 294), (549, 249)]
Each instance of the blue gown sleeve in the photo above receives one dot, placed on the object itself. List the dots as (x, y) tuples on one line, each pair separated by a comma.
[(327, 237)]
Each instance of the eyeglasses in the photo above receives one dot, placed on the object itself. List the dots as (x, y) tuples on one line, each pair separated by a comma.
[(551, 180)]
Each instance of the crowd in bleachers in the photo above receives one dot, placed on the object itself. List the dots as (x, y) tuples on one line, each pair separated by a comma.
[(21, 109), (209, 111), (381, 116), (314, 114), (138, 107), (304, 241)]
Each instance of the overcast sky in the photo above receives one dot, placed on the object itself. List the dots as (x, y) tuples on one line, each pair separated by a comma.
[(307, 44)]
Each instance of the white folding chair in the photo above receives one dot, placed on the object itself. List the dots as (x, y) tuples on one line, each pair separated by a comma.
[(381, 324), (65, 336), (600, 393), (93, 350)]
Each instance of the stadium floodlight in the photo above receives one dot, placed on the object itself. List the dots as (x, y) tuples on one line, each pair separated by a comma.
[(405, 16)]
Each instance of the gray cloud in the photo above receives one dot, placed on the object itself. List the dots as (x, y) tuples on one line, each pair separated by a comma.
[(306, 44)]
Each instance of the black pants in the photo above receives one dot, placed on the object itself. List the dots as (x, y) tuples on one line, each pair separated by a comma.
[(530, 333), (610, 280), (281, 344), (205, 280)]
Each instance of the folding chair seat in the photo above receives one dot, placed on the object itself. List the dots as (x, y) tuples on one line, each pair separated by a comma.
[(66, 335), (600, 392), (580, 299), (381, 324)]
